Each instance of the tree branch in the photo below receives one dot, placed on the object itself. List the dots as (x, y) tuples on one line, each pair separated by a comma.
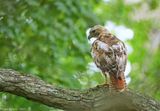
[(95, 99)]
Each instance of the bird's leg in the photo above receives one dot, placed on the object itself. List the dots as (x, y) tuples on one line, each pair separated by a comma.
[(107, 80), (106, 84)]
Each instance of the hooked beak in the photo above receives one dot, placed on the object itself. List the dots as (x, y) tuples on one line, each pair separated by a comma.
[(88, 34), (89, 37)]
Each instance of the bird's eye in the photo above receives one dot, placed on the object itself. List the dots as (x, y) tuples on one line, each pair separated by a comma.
[(93, 31)]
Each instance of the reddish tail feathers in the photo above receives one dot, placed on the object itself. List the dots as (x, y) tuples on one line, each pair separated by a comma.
[(119, 82)]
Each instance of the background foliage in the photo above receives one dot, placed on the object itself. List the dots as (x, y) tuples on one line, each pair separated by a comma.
[(47, 38)]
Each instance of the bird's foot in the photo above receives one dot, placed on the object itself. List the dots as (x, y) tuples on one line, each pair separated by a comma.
[(103, 85)]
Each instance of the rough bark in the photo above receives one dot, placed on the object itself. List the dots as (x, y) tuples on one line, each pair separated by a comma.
[(95, 99)]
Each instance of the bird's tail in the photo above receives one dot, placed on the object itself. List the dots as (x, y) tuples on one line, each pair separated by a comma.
[(118, 83)]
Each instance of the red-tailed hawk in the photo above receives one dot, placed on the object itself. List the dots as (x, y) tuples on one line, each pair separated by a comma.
[(109, 54)]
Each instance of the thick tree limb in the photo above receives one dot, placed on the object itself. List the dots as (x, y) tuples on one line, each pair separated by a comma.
[(95, 99)]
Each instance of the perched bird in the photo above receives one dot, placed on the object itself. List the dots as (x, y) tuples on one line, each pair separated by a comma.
[(109, 54)]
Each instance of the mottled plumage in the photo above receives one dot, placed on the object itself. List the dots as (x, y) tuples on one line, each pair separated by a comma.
[(109, 54)]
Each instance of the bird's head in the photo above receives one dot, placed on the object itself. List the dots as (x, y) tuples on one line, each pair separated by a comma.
[(96, 30)]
